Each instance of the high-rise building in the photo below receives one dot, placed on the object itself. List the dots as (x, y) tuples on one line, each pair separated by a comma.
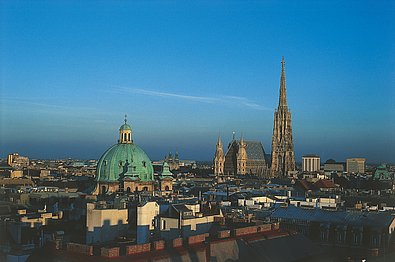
[(311, 163), (355, 165), (283, 156)]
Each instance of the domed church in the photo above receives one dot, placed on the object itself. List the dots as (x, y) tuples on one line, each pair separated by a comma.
[(124, 167)]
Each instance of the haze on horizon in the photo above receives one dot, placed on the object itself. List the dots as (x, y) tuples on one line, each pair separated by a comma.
[(186, 72)]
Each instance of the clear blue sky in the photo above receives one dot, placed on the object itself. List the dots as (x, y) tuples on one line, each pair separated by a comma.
[(185, 72)]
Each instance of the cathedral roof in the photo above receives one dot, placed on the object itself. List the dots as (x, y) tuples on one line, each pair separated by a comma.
[(254, 149)]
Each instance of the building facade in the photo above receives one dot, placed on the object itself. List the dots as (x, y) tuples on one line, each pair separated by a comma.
[(283, 156), (311, 163), (355, 165), (331, 166)]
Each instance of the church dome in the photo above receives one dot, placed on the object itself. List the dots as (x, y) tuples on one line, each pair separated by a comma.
[(125, 127), (124, 160)]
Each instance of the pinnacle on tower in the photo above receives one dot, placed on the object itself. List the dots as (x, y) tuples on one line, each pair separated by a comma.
[(219, 141)]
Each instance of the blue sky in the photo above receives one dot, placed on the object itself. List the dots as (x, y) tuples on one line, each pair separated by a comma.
[(185, 72)]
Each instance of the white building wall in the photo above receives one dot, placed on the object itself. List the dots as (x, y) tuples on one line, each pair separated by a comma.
[(146, 214)]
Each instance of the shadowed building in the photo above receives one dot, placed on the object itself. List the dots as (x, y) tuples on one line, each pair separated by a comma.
[(124, 167), (283, 156)]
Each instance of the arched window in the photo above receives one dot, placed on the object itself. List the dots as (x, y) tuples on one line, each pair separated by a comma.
[(136, 189), (167, 188), (103, 190), (128, 190), (145, 188)]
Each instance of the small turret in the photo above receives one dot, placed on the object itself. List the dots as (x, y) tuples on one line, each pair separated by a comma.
[(125, 133)]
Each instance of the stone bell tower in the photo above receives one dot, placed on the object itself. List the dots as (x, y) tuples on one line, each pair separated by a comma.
[(283, 156)]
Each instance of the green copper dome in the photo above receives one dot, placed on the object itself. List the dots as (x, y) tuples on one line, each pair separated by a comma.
[(124, 161), (125, 127)]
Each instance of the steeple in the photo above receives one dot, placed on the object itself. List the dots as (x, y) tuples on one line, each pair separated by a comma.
[(283, 157), (219, 158), (219, 142), (283, 86)]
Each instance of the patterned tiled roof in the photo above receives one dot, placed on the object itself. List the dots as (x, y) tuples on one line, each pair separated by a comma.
[(254, 150)]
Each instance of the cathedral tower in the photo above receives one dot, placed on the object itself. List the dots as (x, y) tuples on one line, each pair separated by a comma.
[(219, 158), (283, 156)]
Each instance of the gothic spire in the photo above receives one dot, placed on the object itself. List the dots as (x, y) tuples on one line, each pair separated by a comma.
[(283, 87), (219, 141)]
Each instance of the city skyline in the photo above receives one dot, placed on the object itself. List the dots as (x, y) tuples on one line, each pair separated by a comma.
[(185, 73)]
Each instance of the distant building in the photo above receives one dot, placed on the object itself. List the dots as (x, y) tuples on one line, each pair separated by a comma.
[(382, 174), (173, 161), (124, 167), (331, 166), (355, 165), (283, 156), (311, 163), (17, 161), (242, 157)]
